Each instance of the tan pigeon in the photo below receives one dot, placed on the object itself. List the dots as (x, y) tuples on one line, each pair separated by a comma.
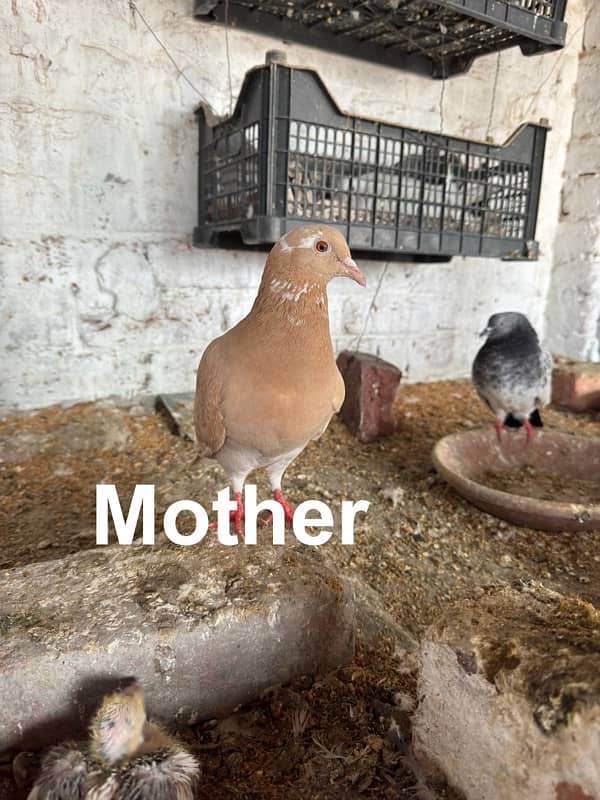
[(270, 384)]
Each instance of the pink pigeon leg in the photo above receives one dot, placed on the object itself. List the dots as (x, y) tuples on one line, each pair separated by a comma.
[(275, 474), (288, 510), (236, 516), (499, 424), (528, 430)]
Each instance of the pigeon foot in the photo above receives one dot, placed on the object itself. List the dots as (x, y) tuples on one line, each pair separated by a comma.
[(287, 508), (236, 516)]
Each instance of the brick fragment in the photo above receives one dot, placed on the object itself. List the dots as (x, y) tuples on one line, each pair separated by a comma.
[(371, 385), (510, 697), (576, 384), (203, 629)]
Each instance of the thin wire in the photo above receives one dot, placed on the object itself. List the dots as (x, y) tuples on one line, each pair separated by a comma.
[(443, 89), (372, 304), (228, 56), (493, 103), (134, 7)]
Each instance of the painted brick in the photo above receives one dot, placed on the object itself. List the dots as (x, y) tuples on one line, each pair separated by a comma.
[(371, 385), (576, 385)]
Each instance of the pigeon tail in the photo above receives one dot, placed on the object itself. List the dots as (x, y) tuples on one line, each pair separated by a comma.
[(512, 422), (534, 419)]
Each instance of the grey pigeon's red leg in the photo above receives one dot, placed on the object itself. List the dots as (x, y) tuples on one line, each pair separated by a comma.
[(528, 430), (498, 424)]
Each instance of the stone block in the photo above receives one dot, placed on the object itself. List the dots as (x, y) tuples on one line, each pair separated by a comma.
[(202, 628), (371, 385), (576, 384), (178, 409), (510, 697)]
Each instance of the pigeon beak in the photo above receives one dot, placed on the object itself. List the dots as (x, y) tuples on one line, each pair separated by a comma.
[(485, 331), (352, 271)]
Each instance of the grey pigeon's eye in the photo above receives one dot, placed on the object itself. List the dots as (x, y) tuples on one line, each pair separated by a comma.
[(322, 246)]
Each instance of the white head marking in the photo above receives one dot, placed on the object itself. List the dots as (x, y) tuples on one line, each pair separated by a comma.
[(283, 245), (304, 244)]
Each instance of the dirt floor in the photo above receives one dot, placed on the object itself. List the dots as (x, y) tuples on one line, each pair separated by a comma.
[(419, 547)]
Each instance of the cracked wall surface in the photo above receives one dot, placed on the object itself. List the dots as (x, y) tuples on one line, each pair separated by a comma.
[(101, 291), (573, 311)]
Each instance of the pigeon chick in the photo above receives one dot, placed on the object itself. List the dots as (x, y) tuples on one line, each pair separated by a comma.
[(128, 757), (512, 373), (270, 384)]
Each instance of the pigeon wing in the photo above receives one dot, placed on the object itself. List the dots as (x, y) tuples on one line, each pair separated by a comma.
[(483, 375), (209, 422), (545, 389)]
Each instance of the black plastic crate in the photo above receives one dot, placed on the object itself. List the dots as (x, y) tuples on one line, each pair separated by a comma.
[(288, 155), (435, 36)]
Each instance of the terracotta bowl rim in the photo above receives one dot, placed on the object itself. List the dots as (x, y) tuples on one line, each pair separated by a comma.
[(524, 505)]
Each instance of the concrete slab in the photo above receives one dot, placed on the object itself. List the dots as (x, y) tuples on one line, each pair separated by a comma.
[(203, 628), (509, 692), (178, 409), (63, 433)]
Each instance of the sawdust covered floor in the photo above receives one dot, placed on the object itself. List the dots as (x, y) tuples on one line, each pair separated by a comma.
[(419, 546)]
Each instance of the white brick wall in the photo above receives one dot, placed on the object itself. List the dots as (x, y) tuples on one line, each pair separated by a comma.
[(573, 309), (101, 291)]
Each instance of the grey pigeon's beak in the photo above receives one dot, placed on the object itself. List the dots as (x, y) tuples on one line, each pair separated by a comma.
[(485, 331), (351, 270)]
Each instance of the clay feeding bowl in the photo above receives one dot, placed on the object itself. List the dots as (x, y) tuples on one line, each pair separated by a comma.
[(469, 460)]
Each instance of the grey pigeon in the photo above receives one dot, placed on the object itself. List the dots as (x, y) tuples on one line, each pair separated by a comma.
[(512, 373)]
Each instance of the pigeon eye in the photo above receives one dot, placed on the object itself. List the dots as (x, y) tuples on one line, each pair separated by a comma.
[(321, 246)]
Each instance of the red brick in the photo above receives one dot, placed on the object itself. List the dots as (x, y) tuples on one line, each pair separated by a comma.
[(371, 385), (576, 384)]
